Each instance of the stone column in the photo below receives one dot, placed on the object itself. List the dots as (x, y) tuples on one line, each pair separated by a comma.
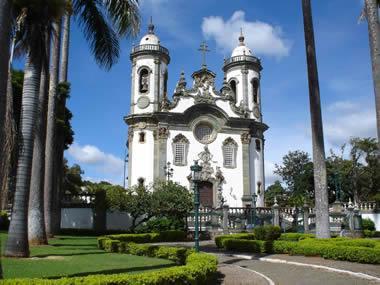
[(357, 219), (133, 84), (350, 216), (160, 151), (130, 153), (157, 72), (276, 213), (244, 73), (306, 218), (225, 218), (246, 140), (100, 212)]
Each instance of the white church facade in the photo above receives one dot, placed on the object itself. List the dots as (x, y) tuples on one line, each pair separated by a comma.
[(222, 129)]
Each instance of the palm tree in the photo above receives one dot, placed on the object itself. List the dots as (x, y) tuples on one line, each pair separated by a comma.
[(320, 177), (371, 12), (50, 131), (104, 43), (34, 28), (5, 42), (36, 217)]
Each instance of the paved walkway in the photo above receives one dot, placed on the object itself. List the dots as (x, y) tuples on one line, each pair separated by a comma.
[(240, 269)]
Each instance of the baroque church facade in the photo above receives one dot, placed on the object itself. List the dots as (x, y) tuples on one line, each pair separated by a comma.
[(222, 129)]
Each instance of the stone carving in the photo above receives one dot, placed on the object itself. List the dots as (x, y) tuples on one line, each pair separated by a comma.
[(143, 102), (181, 84), (180, 138), (162, 132), (165, 104), (207, 170), (256, 112), (245, 138), (130, 134), (229, 141)]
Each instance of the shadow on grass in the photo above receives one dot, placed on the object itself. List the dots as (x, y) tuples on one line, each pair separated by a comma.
[(115, 271), (69, 254), (73, 244)]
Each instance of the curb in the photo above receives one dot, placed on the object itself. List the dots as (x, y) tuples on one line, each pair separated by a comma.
[(270, 281), (315, 266)]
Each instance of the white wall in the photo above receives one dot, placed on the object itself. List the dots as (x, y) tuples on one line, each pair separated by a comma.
[(76, 218), (233, 177), (375, 218)]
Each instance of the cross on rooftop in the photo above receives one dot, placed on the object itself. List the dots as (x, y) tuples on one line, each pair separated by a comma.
[(203, 49)]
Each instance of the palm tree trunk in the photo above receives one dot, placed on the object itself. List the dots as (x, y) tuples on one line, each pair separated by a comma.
[(5, 41), (50, 163), (17, 243), (60, 139), (371, 9), (36, 217), (320, 177)]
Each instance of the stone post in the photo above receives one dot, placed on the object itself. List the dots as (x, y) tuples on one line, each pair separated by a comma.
[(357, 217), (276, 213), (225, 218), (100, 212), (350, 216), (306, 218)]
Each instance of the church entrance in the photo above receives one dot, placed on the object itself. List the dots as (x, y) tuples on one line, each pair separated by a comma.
[(206, 194)]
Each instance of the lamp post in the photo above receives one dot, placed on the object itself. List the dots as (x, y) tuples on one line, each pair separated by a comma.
[(196, 178), (168, 171), (253, 210)]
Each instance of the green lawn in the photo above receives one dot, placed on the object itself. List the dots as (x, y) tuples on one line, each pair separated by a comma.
[(75, 256)]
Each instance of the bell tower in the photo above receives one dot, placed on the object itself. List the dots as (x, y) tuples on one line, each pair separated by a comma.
[(149, 73), (242, 71)]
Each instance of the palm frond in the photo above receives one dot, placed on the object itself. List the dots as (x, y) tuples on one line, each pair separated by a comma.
[(124, 15), (99, 34)]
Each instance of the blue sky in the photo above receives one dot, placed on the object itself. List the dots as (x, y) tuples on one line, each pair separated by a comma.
[(100, 99)]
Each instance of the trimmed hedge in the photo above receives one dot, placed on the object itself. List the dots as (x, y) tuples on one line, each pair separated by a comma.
[(200, 269), (362, 251), (295, 236), (220, 239), (371, 234), (268, 232), (167, 236)]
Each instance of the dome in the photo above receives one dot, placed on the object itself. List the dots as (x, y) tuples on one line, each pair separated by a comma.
[(241, 49), (150, 38)]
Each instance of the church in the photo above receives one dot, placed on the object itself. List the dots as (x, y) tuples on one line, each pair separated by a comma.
[(222, 128)]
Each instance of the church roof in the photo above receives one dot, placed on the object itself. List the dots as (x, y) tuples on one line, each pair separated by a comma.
[(150, 38), (241, 49)]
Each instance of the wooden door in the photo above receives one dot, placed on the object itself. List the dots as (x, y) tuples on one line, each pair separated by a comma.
[(206, 194)]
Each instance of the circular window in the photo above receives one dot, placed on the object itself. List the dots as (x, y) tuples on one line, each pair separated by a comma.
[(204, 133)]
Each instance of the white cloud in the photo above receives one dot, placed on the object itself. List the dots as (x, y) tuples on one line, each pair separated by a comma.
[(346, 119), (270, 177), (90, 155), (261, 37)]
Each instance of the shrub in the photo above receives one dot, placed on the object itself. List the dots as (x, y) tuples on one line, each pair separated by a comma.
[(4, 221), (111, 245), (268, 232), (243, 245), (280, 246), (219, 239), (160, 225), (295, 236), (371, 234), (368, 224), (166, 236)]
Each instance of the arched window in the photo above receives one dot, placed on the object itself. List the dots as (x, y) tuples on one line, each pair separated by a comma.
[(180, 149), (144, 81), (233, 86), (255, 91), (258, 144), (166, 83), (141, 137), (259, 187), (229, 153)]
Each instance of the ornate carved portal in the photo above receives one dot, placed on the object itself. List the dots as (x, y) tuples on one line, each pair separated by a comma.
[(211, 187)]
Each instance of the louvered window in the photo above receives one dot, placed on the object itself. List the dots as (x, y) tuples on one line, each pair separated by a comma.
[(180, 148), (229, 153)]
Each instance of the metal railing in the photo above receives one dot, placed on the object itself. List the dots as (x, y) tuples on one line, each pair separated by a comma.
[(150, 47)]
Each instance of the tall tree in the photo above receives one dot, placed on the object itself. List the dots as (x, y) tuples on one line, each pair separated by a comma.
[(320, 177), (35, 24), (50, 132), (371, 10), (36, 216), (5, 42)]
